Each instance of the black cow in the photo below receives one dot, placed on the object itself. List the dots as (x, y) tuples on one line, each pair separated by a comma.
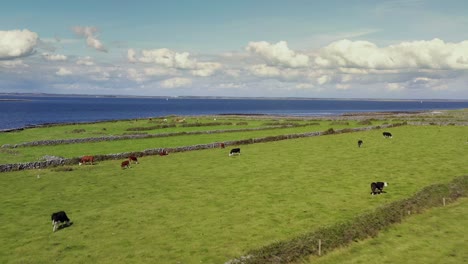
[(387, 135), (234, 151), (377, 187), (59, 218), (359, 143)]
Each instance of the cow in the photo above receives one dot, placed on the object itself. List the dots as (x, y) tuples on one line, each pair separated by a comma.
[(133, 158), (221, 145), (387, 135), (377, 187), (359, 143), (125, 164), (234, 151), (59, 218), (85, 159), (163, 153)]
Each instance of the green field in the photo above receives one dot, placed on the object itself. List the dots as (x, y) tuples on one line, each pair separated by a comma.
[(437, 236), (207, 207)]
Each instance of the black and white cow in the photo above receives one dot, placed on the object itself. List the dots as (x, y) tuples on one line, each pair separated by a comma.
[(387, 135), (377, 187), (234, 151), (59, 218), (359, 143)]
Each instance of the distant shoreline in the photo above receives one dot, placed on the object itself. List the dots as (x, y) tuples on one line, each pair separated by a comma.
[(224, 97)]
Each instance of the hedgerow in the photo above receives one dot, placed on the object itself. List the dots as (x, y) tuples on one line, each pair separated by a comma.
[(361, 227)]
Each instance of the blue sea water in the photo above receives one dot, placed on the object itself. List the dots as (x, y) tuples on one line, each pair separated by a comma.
[(38, 110)]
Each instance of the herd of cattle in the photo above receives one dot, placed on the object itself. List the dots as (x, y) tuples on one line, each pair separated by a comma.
[(60, 218)]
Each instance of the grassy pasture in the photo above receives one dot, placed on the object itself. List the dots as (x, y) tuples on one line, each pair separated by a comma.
[(437, 236), (204, 206), (27, 154)]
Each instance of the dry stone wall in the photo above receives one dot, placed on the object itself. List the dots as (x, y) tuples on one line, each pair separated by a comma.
[(157, 151)]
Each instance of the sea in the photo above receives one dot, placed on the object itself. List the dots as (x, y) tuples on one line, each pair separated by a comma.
[(17, 111)]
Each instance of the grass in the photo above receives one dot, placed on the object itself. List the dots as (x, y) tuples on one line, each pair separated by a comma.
[(27, 154), (203, 206), (437, 236)]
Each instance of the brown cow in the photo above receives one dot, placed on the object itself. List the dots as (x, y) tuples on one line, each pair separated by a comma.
[(133, 158), (125, 164), (163, 153), (85, 159), (221, 145)]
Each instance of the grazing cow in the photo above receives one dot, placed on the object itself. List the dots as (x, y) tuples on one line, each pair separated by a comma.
[(133, 158), (359, 143), (234, 151), (377, 187), (163, 153), (387, 135), (125, 164), (85, 159), (59, 218)]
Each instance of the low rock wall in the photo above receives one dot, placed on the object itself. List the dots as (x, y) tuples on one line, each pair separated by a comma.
[(156, 151)]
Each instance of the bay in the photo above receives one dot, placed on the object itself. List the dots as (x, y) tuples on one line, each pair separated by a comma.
[(26, 111)]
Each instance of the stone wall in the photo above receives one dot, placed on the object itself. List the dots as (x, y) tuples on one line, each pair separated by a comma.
[(156, 151)]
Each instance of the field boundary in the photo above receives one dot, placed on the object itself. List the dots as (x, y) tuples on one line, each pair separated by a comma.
[(367, 225), (157, 151)]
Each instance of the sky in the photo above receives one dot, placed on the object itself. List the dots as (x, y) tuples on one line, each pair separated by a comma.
[(395, 49)]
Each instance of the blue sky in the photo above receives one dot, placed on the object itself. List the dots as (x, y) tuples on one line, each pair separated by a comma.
[(343, 49)]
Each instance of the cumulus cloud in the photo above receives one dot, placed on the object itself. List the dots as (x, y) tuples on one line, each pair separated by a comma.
[(278, 54), (323, 79), (63, 72), (54, 57), (90, 33), (17, 43), (263, 70), (174, 60), (433, 54), (131, 55), (395, 86), (166, 57), (87, 61), (205, 69), (176, 82)]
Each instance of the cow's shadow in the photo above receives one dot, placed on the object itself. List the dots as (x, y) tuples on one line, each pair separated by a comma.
[(64, 225)]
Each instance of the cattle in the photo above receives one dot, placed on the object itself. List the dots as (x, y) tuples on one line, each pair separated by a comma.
[(234, 151), (59, 218), (133, 158), (377, 187), (359, 143), (163, 153), (125, 164), (221, 145), (85, 159), (387, 135)]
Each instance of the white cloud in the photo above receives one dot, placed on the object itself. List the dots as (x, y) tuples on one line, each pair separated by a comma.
[(176, 82), (134, 75), (91, 39), (278, 54), (63, 72), (87, 61), (433, 54), (17, 43), (131, 55), (395, 87), (167, 58), (263, 70), (159, 72), (341, 86), (54, 57), (11, 64), (205, 69), (323, 79)]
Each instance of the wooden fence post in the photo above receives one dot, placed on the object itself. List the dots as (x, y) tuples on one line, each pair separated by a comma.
[(320, 247)]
